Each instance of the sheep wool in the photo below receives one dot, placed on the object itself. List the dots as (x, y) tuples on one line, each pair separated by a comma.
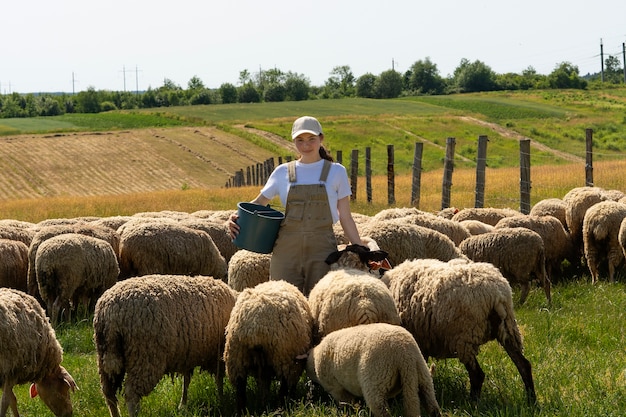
[(246, 269), (13, 264), (516, 251), (452, 308), (150, 326), (553, 206), (73, 270), (269, 326), (601, 226), (376, 362), (489, 215), (31, 353)]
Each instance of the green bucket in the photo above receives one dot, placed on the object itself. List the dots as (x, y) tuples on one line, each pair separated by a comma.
[(258, 227)]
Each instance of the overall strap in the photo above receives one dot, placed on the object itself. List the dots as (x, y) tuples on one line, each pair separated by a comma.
[(325, 170), (291, 169)]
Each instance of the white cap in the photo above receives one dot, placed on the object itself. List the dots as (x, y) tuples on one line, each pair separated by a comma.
[(306, 124)]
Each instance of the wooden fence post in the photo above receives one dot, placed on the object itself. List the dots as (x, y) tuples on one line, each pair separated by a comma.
[(524, 165), (447, 173), (391, 179), (589, 158), (339, 157), (354, 171), (481, 163), (416, 182), (368, 173)]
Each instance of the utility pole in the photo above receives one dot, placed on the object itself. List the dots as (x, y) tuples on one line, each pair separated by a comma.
[(601, 61), (73, 82), (624, 59), (124, 72), (136, 80)]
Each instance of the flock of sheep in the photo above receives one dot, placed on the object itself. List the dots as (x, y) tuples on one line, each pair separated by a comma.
[(170, 292)]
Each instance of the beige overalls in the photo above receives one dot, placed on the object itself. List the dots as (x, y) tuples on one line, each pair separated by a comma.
[(306, 236)]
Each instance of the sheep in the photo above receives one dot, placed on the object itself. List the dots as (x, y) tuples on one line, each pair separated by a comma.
[(113, 222), (448, 212), (396, 213), (551, 207), (149, 326), (577, 201), (489, 215), (219, 233), (31, 353), (556, 240), (74, 269), (375, 361), (408, 241), (359, 219), (476, 227), (601, 226), (349, 297), (16, 232), (246, 269), (517, 252), (13, 264), (452, 308), (166, 247), (44, 233), (269, 326)]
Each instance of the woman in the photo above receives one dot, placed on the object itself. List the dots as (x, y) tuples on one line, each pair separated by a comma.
[(315, 192)]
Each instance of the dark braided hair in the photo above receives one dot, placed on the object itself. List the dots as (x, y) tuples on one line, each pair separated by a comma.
[(325, 155)]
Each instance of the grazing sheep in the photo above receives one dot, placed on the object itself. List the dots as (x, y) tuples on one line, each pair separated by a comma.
[(556, 240), (13, 264), (269, 326), (453, 229), (44, 233), (359, 219), (72, 270), (246, 269), (452, 308), (517, 252), (601, 237), (448, 212), (374, 361), (489, 215), (349, 297), (577, 201), (219, 233), (15, 232), (113, 222), (403, 241), (476, 227), (551, 207), (31, 353), (396, 213), (150, 326), (166, 247)]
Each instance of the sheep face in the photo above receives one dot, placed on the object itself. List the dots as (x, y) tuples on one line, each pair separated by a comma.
[(54, 391), (359, 257)]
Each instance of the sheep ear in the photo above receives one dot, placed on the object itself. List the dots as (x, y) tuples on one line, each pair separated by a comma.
[(33, 391), (378, 255), (302, 357), (333, 257)]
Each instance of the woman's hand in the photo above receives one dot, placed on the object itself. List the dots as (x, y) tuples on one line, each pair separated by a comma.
[(232, 225)]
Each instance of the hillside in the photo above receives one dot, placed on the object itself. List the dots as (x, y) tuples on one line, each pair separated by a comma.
[(203, 146)]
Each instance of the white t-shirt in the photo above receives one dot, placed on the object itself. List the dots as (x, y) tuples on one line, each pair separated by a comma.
[(337, 184)]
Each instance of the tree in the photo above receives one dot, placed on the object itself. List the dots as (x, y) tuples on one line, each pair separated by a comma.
[(343, 79), (475, 76), (297, 87), (365, 86), (249, 94), (228, 92), (424, 78), (612, 70), (565, 75), (388, 84), (195, 83), (88, 101), (274, 92)]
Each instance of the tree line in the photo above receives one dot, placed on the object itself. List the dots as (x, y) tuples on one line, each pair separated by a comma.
[(273, 85)]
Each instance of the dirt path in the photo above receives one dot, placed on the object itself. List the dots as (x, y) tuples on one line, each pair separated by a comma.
[(275, 139)]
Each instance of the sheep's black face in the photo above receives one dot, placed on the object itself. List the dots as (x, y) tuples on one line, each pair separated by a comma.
[(373, 259)]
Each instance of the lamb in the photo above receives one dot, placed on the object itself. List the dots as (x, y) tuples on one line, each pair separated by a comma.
[(349, 297), (452, 308), (166, 247), (73, 270), (13, 264), (489, 215), (601, 226), (269, 326), (246, 269), (408, 241), (517, 252), (556, 240), (144, 329), (375, 361), (31, 353)]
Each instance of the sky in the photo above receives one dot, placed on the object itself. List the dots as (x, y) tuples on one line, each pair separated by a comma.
[(128, 45)]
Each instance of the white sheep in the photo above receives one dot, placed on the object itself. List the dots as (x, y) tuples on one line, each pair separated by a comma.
[(601, 226), (151, 326), (452, 308), (72, 270), (13, 264), (219, 233), (577, 202), (516, 251), (403, 240), (489, 215), (551, 207), (246, 269), (269, 326), (476, 227), (376, 362), (557, 242), (149, 246), (31, 353)]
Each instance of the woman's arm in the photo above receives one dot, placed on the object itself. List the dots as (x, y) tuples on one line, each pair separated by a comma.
[(347, 222), (231, 223)]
